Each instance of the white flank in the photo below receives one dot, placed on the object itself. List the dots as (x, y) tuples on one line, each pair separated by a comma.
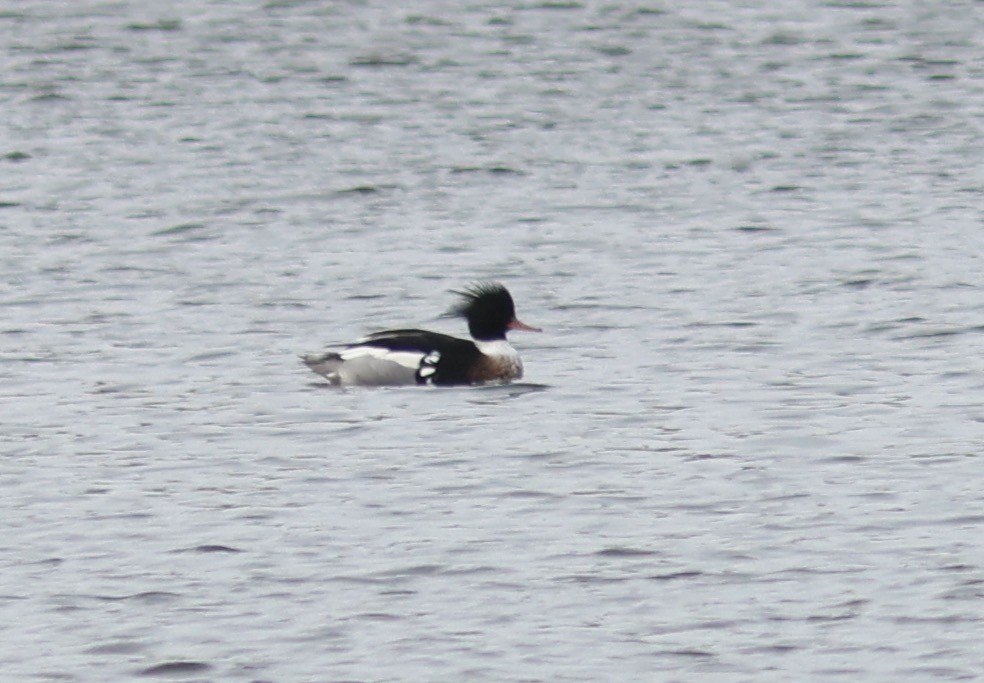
[(408, 359)]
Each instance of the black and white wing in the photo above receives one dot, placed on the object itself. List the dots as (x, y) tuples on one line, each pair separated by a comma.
[(397, 357)]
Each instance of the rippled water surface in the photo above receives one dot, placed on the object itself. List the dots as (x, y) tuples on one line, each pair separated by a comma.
[(748, 446)]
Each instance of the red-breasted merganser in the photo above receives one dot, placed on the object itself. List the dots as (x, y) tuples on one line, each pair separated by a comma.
[(422, 357)]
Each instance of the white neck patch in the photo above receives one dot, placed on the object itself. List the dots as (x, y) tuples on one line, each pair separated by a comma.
[(498, 348)]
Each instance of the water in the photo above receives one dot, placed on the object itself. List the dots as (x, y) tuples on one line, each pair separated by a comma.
[(748, 444)]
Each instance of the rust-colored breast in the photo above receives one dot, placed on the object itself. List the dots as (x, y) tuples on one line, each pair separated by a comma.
[(496, 369)]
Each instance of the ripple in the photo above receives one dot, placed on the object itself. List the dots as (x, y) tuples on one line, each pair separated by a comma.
[(174, 669)]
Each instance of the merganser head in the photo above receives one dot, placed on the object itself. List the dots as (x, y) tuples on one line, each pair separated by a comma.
[(490, 311)]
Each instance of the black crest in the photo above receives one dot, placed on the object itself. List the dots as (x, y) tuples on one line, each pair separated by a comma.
[(489, 309)]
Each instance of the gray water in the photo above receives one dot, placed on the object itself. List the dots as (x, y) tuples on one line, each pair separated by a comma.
[(748, 445)]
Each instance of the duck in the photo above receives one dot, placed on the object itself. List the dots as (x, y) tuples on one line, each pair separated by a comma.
[(422, 357)]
